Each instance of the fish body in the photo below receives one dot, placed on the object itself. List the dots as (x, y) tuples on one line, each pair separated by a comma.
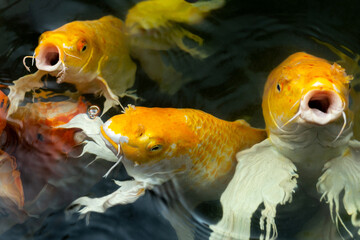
[(194, 150), (36, 125), (179, 142), (92, 55), (10, 182), (305, 107)]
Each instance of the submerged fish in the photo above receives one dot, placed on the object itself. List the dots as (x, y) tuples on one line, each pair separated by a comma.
[(11, 187), (92, 55), (189, 147), (36, 125), (10, 182), (309, 124), (155, 24)]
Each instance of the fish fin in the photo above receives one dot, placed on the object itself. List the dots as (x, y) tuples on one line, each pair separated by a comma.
[(128, 192), (116, 75), (21, 86), (180, 219), (262, 175), (207, 6), (91, 128), (157, 25), (11, 185), (152, 62), (343, 174)]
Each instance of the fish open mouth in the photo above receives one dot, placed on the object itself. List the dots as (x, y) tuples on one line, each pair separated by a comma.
[(320, 102), (321, 107), (48, 58)]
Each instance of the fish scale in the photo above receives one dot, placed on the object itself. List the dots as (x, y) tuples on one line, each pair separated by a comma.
[(195, 151)]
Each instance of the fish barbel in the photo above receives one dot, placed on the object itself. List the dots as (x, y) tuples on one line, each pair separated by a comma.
[(309, 126), (92, 55), (187, 146)]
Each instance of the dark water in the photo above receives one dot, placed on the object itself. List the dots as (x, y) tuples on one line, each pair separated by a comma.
[(247, 40)]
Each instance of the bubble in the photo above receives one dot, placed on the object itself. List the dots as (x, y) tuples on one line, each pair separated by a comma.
[(93, 111)]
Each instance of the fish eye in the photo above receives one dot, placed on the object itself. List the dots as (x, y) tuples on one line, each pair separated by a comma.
[(155, 147), (278, 87), (82, 45)]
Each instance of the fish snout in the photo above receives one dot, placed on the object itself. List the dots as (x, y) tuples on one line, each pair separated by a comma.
[(321, 106), (48, 58)]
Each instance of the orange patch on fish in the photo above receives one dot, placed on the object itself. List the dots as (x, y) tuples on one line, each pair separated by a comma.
[(150, 136)]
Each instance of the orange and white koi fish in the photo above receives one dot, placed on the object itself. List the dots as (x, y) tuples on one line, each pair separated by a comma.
[(187, 146), (305, 106), (92, 55)]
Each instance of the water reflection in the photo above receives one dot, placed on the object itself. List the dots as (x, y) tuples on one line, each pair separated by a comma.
[(243, 42)]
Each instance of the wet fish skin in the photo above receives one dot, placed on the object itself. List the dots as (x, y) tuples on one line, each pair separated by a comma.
[(92, 55), (191, 148), (309, 126)]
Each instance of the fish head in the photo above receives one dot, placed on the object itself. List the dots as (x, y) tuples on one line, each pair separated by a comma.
[(148, 135), (305, 90), (67, 46)]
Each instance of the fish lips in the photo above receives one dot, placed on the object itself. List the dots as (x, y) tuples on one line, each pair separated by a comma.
[(49, 58), (321, 107), (112, 145)]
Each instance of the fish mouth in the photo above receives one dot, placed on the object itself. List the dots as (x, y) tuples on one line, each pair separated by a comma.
[(321, 107), (48, 58), (113, 146)]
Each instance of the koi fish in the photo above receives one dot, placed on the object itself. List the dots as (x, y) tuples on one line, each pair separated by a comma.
[(92, 55), (10, 182), (154, 24), (309, 125), (11, 185), (37, 125), (190, 147)]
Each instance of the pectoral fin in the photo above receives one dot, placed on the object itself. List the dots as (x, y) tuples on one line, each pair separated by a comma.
[(116, 74), (262, 176), (21, 86), (91, 128), (343, 174), (128, 192)]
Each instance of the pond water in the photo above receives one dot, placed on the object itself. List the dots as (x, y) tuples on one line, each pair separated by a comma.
[(245, 41)]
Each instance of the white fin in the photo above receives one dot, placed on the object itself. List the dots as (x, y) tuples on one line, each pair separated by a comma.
[(91, 128), (343, 174), (262, 176), (128, 192), (21, 86)]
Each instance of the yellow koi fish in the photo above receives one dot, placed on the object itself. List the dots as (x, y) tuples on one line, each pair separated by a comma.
[(352, 67), (309, 126), (155, 26), (189, 147), (92, 55)]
